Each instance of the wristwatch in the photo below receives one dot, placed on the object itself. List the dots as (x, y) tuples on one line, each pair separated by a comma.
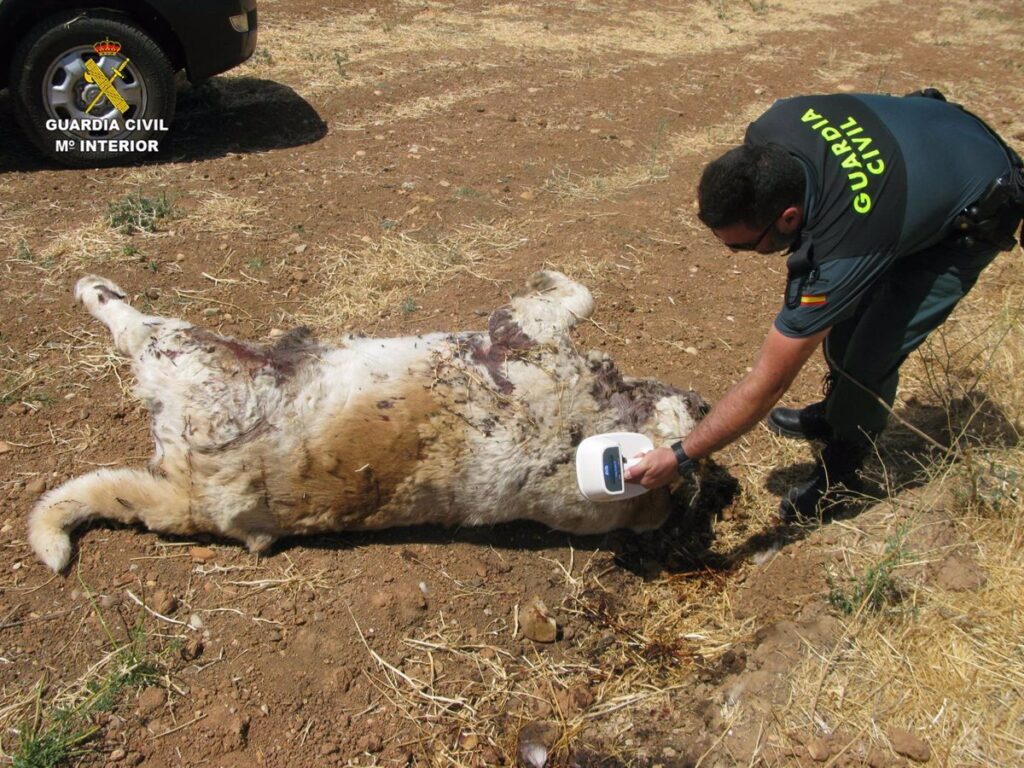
[(684, 464)]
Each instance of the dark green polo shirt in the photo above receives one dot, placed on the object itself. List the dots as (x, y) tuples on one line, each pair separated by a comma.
[(885, 177)]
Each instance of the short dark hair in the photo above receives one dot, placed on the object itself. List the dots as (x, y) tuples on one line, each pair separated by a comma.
[(753, 185)]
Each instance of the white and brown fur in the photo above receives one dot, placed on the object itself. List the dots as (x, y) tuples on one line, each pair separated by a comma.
[(256, 442)]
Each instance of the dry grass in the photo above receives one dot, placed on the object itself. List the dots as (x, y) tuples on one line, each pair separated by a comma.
[(477, 708), (54, 723), (943, 665), (380, 278), (222, 214)]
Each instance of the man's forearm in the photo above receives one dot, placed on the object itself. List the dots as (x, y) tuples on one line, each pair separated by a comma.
[(750, 400), (742, 407)]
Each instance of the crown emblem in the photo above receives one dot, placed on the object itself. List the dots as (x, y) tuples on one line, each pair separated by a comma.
[(107, 48)]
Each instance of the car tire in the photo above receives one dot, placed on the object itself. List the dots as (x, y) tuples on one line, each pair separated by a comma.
[(48, 82)]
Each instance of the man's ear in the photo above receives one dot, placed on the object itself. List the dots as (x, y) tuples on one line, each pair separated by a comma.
[(791, 219)]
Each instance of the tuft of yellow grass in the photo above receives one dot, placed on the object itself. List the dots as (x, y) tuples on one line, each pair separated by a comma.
[(382, 277), (219, 213)]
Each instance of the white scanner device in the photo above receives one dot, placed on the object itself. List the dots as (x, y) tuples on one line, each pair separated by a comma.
[(602, 460)]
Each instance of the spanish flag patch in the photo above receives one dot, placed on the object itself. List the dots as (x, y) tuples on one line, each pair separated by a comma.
[(813, 301)]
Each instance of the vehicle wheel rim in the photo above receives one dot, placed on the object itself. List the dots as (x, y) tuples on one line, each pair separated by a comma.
[(67, 94)]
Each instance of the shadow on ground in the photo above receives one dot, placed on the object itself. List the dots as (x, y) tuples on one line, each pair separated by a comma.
[(225, 115), (921, 439)]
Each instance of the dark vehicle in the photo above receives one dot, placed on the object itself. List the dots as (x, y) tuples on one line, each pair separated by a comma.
[(93, 80)]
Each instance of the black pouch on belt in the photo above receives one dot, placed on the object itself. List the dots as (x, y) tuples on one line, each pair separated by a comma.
[(993, 219)]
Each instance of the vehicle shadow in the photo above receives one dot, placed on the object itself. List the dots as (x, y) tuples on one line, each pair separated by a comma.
[(224, 115)]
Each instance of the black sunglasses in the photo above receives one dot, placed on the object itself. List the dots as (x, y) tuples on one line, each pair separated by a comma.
[(752, 245)]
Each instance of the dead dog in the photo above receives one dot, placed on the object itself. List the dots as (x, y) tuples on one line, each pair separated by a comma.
[(256, 442)]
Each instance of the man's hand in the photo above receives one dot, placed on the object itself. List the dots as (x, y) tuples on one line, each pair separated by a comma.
[(656, 468)]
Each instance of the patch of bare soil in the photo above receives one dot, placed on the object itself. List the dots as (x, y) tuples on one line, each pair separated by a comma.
[(396, 168)]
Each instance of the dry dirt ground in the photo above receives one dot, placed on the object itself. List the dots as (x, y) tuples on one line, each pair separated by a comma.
[(398, 167)]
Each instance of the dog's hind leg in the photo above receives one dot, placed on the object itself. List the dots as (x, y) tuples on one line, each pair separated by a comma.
[(549, 306), (108, 303), (125, 495)]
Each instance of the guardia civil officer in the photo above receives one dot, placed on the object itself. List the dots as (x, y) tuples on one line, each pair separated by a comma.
[(889, 209)]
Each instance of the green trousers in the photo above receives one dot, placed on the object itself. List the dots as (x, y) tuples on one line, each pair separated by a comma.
[(891, 321)]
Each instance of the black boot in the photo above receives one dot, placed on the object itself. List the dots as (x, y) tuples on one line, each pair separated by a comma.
[(833, 481), (800, 423), (805, 423)]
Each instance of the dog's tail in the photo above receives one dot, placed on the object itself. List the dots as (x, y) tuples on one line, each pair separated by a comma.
[(124, 495)]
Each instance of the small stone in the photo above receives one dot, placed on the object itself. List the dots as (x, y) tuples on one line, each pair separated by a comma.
[(151, 700), (179, 257), (960, 573), (300, 276), (192, 649), (35, 487), (469, 741), (211, 311), (907, 744), (537, 622), (164, 603), (371, 743), (107, 601), (153, 293), (691, 350), (5, 447), (527, 195), (627, 143), (202, 554), (18, 409), (819, 749), (329, 748), (117, 755), (445, 184), (301, 248), (196, 621)]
